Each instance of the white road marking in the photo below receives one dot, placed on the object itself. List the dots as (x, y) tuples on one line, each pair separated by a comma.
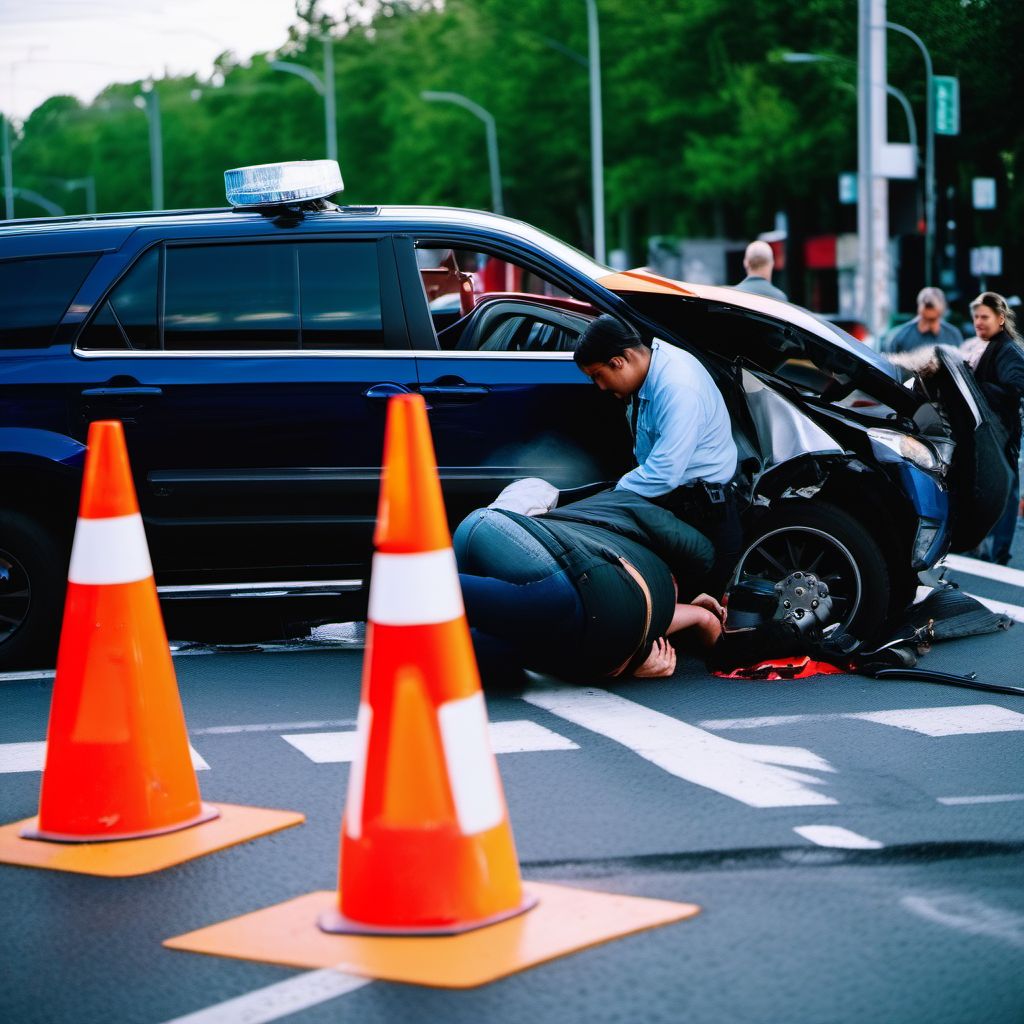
[(506, 738), (968, 915), (18, 677), (991, 798), (988, 570), (837, 838), (764, 721), (30, 757), (1014, 611), (952, 721), (970, 719), (750, 773), (227, 730), (278, 1000)]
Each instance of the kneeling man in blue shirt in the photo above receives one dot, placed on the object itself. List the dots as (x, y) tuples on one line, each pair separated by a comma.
[(685, 453)]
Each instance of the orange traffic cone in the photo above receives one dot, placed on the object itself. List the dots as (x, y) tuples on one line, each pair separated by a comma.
[(118, 764), (426, 846)]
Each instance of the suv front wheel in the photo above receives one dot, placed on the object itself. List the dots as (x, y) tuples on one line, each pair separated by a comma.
[(824, 540), (32, 585)]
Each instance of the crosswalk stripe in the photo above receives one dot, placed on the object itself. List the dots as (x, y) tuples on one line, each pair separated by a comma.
[(30, 757), (281, 999), (970, 719), (754, 774), (967, 719), (1014, 611), (987, 570), (837, 838), (506, 738), (991, 798)]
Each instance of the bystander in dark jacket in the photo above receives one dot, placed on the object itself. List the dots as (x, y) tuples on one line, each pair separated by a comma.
[(1000, 375)]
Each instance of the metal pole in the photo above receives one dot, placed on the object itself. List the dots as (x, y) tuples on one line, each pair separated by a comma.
[(329, 113), (497, 201), (929, 157), (880, 197), (8, 170), (156, 147), (901, 98), (596, 134), (864, 170)]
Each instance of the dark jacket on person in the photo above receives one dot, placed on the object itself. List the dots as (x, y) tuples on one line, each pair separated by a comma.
[(685, 550), (1000, 374), (589, 539)]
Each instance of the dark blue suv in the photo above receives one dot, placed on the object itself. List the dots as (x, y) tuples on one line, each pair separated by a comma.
[(250, 352)]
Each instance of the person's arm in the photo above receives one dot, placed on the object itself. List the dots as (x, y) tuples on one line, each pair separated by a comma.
[(703, 621), (677, 415), (1011, 371)]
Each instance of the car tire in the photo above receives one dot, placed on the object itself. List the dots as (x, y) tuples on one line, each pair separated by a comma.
[(33, 576), (821, 538)]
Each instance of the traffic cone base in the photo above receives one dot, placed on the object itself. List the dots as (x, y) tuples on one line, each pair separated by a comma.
[(337, 924), (207, 812), (565, 920), (119, 858)]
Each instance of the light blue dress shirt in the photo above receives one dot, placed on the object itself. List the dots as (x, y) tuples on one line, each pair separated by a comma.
[(683, 430)]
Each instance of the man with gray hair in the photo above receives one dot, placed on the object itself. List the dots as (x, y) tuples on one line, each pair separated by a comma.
[(758, 262), (928, 327)]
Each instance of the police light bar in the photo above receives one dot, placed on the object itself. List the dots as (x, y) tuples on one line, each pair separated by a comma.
[(294, 181)]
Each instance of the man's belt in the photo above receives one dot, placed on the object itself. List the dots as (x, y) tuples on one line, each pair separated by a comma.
[(700, 495)]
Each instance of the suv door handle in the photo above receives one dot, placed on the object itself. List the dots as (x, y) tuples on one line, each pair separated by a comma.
[(455, 390), (126, 392), (382, 391)]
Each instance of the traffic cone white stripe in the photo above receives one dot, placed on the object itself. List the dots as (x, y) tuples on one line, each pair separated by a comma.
[(357, 774), (419, 589), (472, 770), (110, 550)]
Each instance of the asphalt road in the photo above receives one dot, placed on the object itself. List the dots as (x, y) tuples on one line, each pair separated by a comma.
[(857, 847)]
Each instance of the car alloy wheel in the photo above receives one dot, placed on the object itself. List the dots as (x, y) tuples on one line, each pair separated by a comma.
[(15, 595), (777, 553)]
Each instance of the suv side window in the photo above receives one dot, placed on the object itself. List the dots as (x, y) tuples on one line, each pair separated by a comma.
[(34, 295), (340, 292), (244, 297), (230, 297), (127, 319)]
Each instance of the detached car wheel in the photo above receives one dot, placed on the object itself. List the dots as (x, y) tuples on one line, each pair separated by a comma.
[(32, 585), (822, 539)]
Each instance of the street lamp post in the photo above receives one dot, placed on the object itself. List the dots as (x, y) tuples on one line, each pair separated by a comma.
[(873, 187), (593, 65), (596, 130), (89, 184), (324, 87), (929, 159), (8, 169), (497, 201), (150, 102)]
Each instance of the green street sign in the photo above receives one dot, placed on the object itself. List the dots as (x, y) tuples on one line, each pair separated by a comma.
[(946, 97)]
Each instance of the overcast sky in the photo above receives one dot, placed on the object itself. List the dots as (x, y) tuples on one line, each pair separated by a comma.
[(77, 47)]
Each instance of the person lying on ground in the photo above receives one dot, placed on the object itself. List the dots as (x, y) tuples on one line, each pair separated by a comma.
[(586, 591)]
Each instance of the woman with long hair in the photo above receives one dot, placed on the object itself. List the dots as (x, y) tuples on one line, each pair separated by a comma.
[(1000, 373)]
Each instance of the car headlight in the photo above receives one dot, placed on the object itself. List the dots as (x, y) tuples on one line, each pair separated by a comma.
[(907, 447)]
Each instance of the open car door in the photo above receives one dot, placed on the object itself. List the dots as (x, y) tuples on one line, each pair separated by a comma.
[(980, 478)]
